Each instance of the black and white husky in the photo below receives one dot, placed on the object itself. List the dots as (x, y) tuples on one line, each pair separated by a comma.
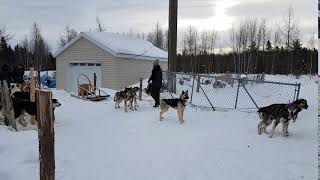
[(280, 113), (177, 103), (122, 96), (133, 98)]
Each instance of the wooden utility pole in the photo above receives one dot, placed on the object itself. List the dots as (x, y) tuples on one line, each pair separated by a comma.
[(172, 50), (45, 135)]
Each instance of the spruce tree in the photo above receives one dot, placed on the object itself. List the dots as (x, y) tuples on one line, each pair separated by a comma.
[(269, 46), (3, 52)]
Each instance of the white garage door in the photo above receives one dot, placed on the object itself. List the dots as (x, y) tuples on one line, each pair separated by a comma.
[(89, 69)]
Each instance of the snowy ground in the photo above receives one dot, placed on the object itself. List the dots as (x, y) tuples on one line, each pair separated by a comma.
[(95, 141)]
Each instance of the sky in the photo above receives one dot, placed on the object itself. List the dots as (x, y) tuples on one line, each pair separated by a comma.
[(141, 15)]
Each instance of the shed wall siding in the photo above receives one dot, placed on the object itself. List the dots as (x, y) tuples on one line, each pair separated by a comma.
[(83, 51), (117, 73)]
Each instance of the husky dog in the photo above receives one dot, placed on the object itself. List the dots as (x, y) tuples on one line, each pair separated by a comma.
[(133, 98), (14, 88), (178, 103), (122, 96), (280, 113), (148, 89)]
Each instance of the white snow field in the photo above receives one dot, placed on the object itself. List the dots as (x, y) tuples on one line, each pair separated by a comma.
[(95, 141)]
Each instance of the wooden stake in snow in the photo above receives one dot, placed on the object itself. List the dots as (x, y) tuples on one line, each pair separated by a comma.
[(45, 135), (32, 91), (7, 106)]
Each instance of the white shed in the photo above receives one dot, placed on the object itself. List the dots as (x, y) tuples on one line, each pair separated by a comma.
[(118, 61)]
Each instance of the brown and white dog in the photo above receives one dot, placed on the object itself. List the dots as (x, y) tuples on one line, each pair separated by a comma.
[(177, 103)]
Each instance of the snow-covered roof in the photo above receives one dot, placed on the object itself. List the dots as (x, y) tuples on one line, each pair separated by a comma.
[(120, 46)]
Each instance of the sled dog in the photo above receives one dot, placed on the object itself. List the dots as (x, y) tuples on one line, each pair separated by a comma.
[(177, 103), (280, 113)]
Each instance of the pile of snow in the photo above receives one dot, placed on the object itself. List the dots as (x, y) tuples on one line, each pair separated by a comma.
[(95, 141), (243, 76)]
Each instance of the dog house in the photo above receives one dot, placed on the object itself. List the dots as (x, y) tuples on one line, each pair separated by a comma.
[(116, 60)]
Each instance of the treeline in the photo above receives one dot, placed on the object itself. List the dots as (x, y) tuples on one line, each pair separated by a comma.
[(254, 47), (33, 50), (276, 61)]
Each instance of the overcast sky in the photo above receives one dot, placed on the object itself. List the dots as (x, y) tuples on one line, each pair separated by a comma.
[(141, 15)]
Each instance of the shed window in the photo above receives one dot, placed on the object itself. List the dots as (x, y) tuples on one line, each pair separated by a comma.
[(90, 64), (83, 64), (98, 64)]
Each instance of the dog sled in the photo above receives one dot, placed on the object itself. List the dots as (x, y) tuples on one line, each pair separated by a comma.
[(88, 91)]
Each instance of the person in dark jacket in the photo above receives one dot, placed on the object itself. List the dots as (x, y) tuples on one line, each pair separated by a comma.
[(5, 74), (18, 73), (156, 82)]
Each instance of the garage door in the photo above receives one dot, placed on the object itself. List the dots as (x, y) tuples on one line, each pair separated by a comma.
[(89, 69)]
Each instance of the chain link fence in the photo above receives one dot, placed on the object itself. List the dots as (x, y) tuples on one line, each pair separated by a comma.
[(228, 91)]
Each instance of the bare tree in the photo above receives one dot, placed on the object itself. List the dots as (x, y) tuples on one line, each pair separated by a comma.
[(212, 45), (241, 42), (26, 45), (150, 37), (311, 45), (67, 36), (141, 35), (289, 28), (158, 36), (232, 40), (130, 33), (100, 27), (191, 39), (212, 40), (290, 32), (253, 38), (264, 35), (5, 34), (39, 48), (276, 43), (204, 42)]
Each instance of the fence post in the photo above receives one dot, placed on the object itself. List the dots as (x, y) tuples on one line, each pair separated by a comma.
[(140, 90), (213, 108), (235, 106), (298, 91), (193, 77), (45, 135), (198, 83), (6, 102)]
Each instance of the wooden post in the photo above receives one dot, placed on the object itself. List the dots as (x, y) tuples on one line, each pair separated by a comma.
[(7, 106), (172, 42), (45, 135), (140, 90), (95, 82), (32, 92), (198, 83)]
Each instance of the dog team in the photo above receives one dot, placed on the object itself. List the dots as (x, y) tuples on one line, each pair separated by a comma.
[(275, 113)]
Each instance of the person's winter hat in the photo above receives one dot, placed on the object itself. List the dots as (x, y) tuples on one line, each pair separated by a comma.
[(156, 63)]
